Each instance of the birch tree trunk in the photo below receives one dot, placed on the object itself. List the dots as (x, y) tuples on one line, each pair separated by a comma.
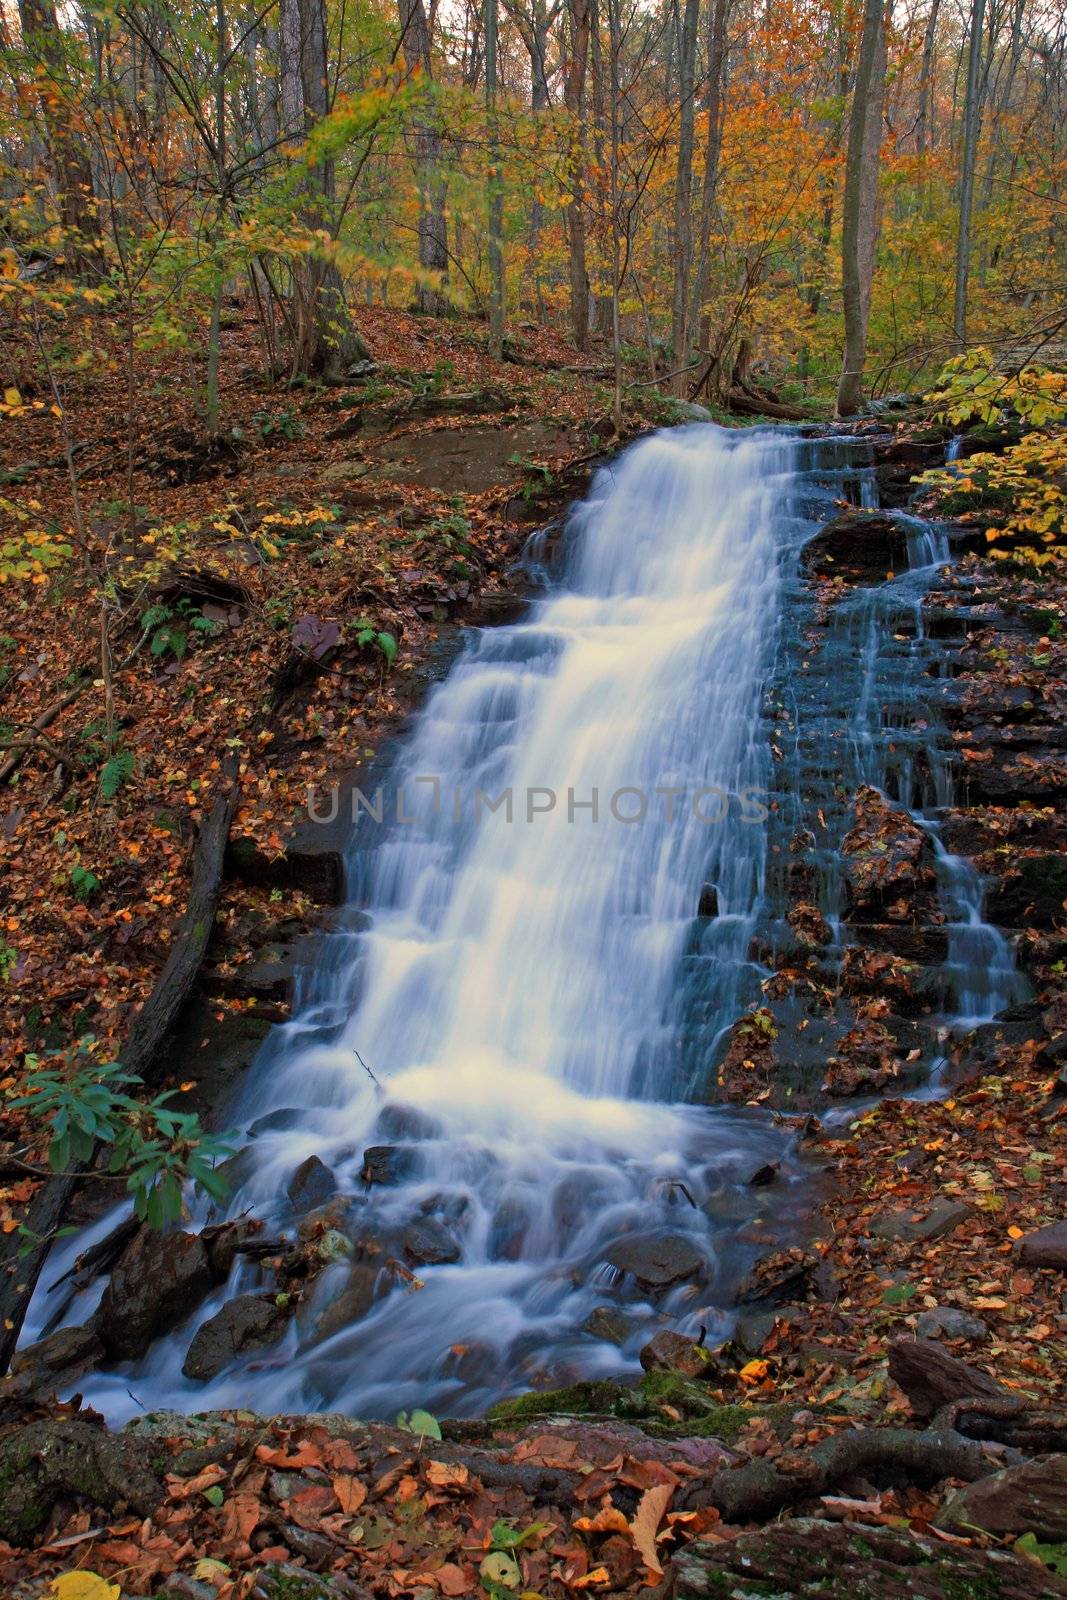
[(860, 222)]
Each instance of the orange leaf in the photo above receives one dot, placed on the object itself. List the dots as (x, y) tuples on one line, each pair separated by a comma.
[(443, 1475), (645, 1525), (351, 1493)]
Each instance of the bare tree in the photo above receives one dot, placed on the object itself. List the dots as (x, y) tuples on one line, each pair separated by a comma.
[(431, 298)]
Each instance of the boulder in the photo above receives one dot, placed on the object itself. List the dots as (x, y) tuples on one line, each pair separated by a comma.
[(948, 1322), (354, 1301), (157, 1282), (672, 1352), (1045, 1248), (397, 1121), (914, 1227), (428, 1243), (781, 1276), (609, 1324), (656, 1260), (250, 1322), (385, 1164), (858, 546), (312, 1184), (66, 1351), (1031, 1498)]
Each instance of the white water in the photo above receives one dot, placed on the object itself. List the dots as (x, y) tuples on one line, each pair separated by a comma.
[(520, 982)]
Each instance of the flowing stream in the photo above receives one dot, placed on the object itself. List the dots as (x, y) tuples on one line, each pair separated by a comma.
[(554, 902)]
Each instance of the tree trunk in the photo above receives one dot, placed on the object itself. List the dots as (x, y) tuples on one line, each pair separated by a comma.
[(68, 150), (495, 185), (430, 298), (717, 11), (683, 233), (324, 340), (574, 100), (860, 224), (972, 119), (926, 80)]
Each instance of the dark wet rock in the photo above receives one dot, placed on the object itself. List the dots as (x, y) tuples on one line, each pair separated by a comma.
[(888, 864), (1031, 1498), (386, 1164), (225, 1241), (508, 1229), (316, 872), (1045, 1248), (1031, 894), (312, 1184), (609, 1324), (55, 1358), (668, 1351), (656, 1260), (754, 1328), (925, 945), (158, 1281), (914, 1227), (428, 1243), (58, 1457), (338, 1213), (813, 1559), (317, 1550), (250, 1322), (949, 1322), (864, 1061), (708, 903), (782, 1276), (367, 1283), (764, 1175), (181, 1586), (858, 546), (280, 1121), (406, 1122)]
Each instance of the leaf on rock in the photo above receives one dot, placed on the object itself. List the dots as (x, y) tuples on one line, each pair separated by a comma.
[(645, 1525)]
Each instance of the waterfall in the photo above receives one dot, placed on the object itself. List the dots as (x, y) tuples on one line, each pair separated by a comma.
[(553, 902)]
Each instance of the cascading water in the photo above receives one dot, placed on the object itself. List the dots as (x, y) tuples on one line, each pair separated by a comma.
[(518, 990), (522, 996)]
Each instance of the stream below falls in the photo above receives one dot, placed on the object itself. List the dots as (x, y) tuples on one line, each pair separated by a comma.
[(504, 1053)]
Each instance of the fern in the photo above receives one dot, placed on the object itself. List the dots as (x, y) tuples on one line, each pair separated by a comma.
[(115, 773)]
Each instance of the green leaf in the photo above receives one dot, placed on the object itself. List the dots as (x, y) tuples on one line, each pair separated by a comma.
[(387, 645), (420, 1422), (505, 1537), (214, 1496), (899, 1294), (1050, 1555)]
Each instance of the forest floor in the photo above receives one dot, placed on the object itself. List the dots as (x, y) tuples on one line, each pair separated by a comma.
[(398, 506)]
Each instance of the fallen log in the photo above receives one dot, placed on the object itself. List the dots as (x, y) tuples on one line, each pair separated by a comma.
[(931, 1378), (760, 1489), (1010, 1420), (49, 1459), (753, 404), (20, 1267)]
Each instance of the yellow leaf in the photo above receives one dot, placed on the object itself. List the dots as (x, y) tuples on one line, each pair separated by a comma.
[(1014, 1232), (83, 1586), (753, 1371), (12, 397)]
